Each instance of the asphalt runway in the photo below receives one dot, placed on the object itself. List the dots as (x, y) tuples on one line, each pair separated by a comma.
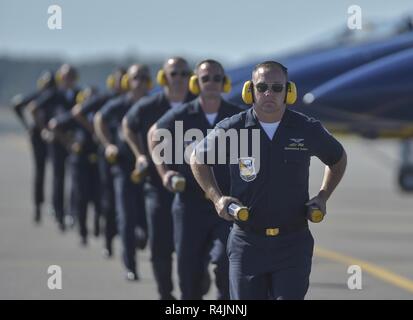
[(369, 224)]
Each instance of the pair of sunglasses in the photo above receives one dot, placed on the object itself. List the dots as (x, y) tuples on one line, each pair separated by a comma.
[(183, 74), (140, 77), (216, 78), (274, 87)]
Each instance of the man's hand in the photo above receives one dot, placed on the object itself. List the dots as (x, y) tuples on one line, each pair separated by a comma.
[(52, 124), (111, 153), (221, 206), (167, 179), (141, 162), (47, 135), (320, 201)]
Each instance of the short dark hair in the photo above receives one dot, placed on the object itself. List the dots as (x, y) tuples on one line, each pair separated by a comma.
[(210, 61), (271, 64)]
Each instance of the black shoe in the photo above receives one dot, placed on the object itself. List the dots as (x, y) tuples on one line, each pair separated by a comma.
[(141, 238), (131, 276), (83, 241), (205, 282), (107, 253), (37, 216), (62, 227), (168, 297)]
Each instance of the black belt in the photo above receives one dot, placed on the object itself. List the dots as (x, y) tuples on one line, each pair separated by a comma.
[(273, 231)]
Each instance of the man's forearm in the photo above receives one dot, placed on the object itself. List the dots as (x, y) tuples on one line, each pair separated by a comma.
[(332, 176), (101, 130), (133, 140), (205, 177)]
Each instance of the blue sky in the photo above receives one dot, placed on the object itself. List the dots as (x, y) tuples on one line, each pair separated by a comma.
[(228, 30)]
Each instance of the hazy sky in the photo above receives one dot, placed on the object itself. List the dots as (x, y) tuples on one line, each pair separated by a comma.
[(227, 29)]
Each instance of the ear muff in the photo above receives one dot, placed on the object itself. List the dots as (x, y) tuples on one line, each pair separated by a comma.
[(247, 95), (58, 77), (110, 82), (193, 85), (291, 96), (227, 85), (80, 97), (161, 78), (124, 82)]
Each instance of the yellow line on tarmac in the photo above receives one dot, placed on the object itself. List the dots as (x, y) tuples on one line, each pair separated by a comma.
[(374, 270)]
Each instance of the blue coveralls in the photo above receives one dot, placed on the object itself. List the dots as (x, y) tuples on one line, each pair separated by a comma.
[(128, 195), (197, 228), (158, 201), (270, 254)]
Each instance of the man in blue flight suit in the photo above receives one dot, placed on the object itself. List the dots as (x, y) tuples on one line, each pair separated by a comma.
[(84, 114), (85, 183), (174, 77), (44, 83), (197, 230), (49, 105), (270, 253), (128, 195)]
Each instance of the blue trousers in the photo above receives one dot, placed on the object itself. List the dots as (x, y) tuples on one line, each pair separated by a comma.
[(158, 205), (263, 268), (199, 232), (130, 212)]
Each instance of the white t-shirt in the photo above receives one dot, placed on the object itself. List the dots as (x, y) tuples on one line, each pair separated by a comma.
[(270, 128), (211, 117)]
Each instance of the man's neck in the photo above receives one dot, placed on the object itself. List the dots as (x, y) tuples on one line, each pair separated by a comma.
[(269, 117), (174, 96), (210, 105)]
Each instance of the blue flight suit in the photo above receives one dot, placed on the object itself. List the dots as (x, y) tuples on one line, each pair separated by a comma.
[(85, 183), (197, 228), (158, 201), (107, 194), (270, 254), (50, 104), (39, 149), (128, 195)]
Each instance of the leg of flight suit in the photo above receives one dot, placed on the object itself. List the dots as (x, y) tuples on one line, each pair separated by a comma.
[(248, 277), (219, 256), (107, 200), (126, 207), (158, 203), (80, 189), (291, 279), (95, 192), (40, 156), (191, 231), (58, 154)]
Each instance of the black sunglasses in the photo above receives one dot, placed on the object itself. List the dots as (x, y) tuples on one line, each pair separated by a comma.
[(275, 87), (183, 74), (141, 77), (216, 78)]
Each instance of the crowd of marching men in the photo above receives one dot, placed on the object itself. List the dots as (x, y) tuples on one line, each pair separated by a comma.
[(100, 140)]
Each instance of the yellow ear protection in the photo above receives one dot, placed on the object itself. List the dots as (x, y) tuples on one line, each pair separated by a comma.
[(58, 77), (124, 83), (80, 97), (248, 94), (110, 82), (194, 86), (161, 78)]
